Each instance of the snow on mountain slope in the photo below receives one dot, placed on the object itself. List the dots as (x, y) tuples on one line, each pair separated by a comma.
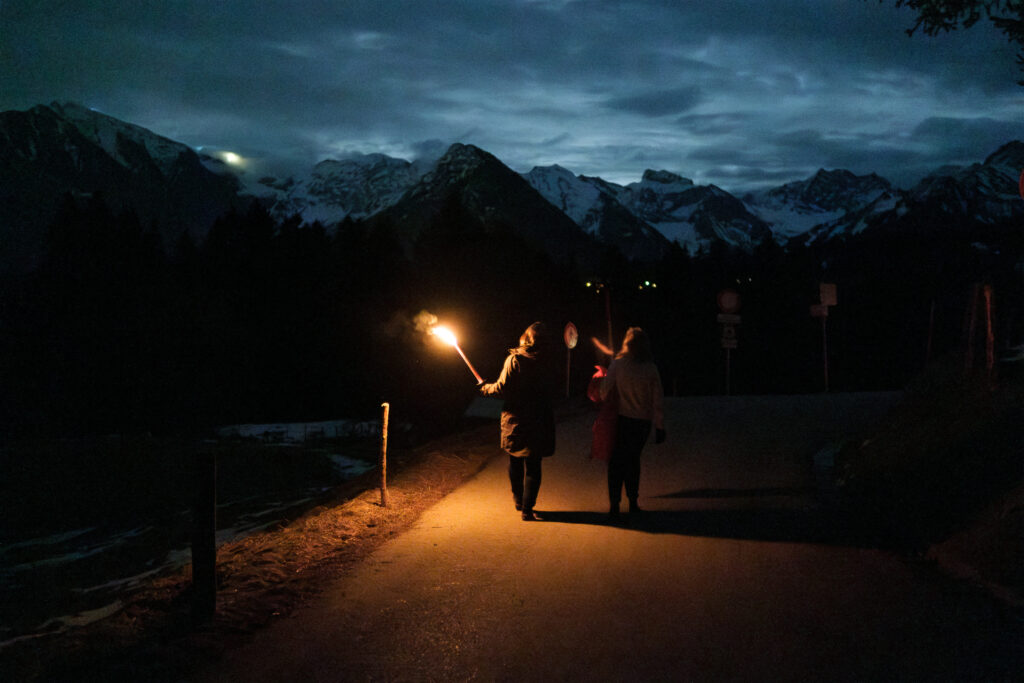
[(826, 197), (357, 187), (108, 133), (988, 191), (575, 196)]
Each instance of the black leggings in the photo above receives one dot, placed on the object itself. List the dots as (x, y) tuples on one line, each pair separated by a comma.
[(524, 474), (624, 465)]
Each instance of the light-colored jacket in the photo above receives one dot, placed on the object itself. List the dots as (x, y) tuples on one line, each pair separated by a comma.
[(638, 388)]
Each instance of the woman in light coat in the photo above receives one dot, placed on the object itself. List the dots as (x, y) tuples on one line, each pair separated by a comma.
[(634, 382)]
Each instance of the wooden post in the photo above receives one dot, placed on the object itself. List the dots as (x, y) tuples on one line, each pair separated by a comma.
[(204, 537), (384, 455)]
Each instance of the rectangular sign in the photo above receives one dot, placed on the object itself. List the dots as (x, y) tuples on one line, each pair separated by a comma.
[(729, 318), (827, 292)]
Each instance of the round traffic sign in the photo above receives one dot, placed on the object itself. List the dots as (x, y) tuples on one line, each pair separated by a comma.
[(571, 335), (728, 301)]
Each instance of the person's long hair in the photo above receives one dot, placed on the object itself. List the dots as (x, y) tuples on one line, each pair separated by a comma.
[(535, 338), (636, 345)]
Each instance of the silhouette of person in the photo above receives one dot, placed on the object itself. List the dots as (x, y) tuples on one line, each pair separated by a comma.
[(528, 383), (634, 381)]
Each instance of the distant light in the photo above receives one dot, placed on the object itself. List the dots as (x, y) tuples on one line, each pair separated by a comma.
[(231, 158), (647, 283), (589, 284)]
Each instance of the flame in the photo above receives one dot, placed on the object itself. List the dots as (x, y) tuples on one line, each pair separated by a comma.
[(445, 335)]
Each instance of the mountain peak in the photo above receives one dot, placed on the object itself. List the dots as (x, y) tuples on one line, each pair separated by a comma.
[(665, 178), (1011, 154)]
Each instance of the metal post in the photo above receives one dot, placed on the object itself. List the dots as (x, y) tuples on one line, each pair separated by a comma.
[(204, 538), (972, 321), (931, 334), (990, 339), (568, 370), (384, 455), (728, 372), (608, 317), (824, 348)]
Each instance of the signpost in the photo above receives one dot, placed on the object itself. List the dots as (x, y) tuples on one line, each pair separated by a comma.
[(728, 303), (572, 337), (827, 297)]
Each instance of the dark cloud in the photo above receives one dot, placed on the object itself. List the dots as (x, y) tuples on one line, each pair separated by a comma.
[(731, 91), (965, 138), (659, 102)]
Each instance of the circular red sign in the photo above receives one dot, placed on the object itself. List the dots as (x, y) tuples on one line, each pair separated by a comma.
[(571, 336), (728, 301)]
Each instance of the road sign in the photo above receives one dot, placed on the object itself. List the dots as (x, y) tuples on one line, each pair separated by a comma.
[(729, 318), (571, 335), (728, 301), (819, 311), (827, 292), (729, 340)]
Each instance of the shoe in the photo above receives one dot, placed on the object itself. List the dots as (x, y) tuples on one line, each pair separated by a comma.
[(613, 514), (634, 508), (528, 516), (519, 506)]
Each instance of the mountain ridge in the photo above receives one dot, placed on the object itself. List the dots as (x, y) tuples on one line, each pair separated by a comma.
[(48, 151)]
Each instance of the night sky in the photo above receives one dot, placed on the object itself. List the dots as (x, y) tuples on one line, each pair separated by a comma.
[(742, 94)]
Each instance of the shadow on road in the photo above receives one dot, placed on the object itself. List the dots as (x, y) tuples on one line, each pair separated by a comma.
[(812, 525), (741, 493)]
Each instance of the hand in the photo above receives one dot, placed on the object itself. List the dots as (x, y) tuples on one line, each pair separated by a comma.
[(659, 436)]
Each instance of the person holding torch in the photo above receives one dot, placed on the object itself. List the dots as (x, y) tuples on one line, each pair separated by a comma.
[(634, 380), (529, 383)]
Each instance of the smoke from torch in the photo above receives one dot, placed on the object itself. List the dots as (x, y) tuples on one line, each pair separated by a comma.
[(448, 337)]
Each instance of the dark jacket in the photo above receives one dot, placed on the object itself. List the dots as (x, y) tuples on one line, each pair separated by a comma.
[(528, 383)]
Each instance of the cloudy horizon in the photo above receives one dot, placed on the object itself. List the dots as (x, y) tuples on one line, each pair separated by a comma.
[(738, 94)]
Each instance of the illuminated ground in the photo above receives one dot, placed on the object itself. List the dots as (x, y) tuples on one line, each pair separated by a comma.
[(737, 573)]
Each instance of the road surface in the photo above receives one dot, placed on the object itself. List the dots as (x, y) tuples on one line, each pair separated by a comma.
[(735, 574)]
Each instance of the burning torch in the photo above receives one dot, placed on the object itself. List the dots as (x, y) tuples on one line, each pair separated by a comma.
[(448, 337)]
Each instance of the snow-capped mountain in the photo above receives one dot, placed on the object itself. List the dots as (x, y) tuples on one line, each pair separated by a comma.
[(796, 208), (48, 152), (987, 191), (357, 187), (661, 203), (476, 184), (595, 205), (950, 199)]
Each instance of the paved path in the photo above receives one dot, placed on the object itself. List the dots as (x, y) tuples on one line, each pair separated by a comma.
[(733, 576)]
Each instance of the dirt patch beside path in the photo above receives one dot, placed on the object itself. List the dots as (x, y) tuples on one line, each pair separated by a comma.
[(260, 578)]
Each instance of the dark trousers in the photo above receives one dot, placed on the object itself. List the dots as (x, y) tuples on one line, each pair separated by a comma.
[(624, 465), (524, 474)]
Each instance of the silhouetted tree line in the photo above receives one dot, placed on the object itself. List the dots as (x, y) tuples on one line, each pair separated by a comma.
[(266, 320)]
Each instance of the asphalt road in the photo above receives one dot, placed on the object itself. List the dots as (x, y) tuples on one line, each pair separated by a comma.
[(736, 574)]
